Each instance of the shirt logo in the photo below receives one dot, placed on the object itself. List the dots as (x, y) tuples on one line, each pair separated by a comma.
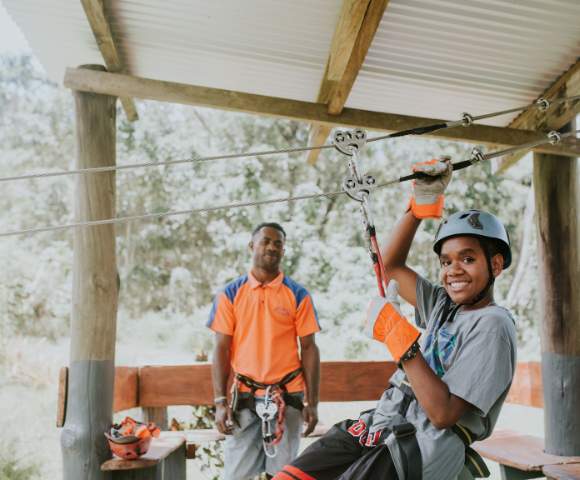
[(282, 311)]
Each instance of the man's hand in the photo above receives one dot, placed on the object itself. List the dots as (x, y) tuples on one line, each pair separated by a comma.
[(310, 416), (427, 200), (224, 419), (386, 323)]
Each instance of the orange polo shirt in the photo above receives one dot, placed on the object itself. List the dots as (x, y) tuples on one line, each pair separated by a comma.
[(265, 321)]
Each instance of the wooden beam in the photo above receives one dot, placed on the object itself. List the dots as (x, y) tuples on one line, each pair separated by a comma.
[(94, 292), (317, 136), (350, 20), (95, 12), (137, 87), (557, 197), (355, 30), (567, 85), (373, 16)]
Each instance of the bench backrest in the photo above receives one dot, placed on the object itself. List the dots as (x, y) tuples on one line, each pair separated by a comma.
[(346, 381)]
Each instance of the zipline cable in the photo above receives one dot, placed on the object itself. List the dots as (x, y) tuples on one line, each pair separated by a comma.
[(477, 156), (148, 216), (466, 121)]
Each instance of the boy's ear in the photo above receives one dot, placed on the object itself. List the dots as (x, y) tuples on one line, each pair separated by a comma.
[(497, 264), (251, 245)]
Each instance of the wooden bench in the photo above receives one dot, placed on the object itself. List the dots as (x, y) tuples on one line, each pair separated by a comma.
[(164, 459), (562, 472), (154, 388), (520, 456)]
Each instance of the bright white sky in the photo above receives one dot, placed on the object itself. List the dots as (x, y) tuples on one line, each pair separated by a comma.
[(11, 39)]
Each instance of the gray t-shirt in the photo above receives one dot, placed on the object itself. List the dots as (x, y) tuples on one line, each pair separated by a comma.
[(475, 355)]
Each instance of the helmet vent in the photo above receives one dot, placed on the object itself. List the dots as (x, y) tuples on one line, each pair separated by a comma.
[(473, 220)]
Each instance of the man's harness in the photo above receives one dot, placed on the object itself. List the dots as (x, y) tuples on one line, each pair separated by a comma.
[(271, 410)]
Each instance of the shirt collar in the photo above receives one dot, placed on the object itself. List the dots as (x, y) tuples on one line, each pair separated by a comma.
[(254, 283)]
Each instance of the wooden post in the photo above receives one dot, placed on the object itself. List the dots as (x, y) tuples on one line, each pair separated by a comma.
[(94, 297), (557, 196), (157, 415)]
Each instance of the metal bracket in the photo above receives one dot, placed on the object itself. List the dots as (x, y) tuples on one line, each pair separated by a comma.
[(349, 141), (466, 119), (543, 104), (477, 156), (554, 137)]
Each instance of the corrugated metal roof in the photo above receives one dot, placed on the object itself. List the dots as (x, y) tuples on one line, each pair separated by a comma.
[(429, 58), (437, 59)]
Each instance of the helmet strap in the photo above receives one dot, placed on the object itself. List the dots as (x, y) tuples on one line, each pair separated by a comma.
[(491, 280)]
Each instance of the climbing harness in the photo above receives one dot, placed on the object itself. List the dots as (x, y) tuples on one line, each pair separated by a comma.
[(271, 408), (358, 187)]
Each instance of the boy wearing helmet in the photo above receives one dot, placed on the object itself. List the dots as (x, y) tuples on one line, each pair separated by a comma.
[(453, 377)]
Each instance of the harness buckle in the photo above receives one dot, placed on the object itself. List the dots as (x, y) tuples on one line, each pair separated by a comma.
[(403, 430)]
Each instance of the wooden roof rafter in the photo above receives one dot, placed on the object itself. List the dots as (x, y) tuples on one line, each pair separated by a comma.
[(95, 13), (567, 85), (355, 30), (149, 89)]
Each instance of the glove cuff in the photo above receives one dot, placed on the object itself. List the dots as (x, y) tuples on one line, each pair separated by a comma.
[(400, 338), (428, 210)]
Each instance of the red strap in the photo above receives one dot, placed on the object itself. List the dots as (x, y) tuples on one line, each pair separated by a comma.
[(297, 473)]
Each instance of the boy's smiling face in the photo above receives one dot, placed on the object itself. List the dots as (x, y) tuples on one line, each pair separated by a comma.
[(464, 270)]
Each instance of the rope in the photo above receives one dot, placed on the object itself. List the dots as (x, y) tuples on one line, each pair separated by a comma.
[(466, 121)]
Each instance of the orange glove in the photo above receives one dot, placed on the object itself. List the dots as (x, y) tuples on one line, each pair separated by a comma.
[(386, 324), (427, 200)]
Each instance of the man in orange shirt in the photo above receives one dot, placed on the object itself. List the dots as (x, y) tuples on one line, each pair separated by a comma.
[(257, 319)]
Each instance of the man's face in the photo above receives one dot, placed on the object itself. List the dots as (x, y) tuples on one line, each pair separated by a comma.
[(464, 270), (267, 248)]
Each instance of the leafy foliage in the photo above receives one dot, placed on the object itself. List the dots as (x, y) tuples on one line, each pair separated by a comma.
[(172, 266)]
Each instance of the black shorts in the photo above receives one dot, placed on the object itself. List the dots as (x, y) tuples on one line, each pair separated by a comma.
[(340, 455)]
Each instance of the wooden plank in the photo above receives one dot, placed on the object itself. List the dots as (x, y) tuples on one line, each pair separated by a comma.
[(160, 449), (126, 393), (562, 472), (62, 394), (191, 384), (137, 87), (526, 387), (567, 85), (95, 13), (162, 386), (354, 380), (355, 30), (522, 452)]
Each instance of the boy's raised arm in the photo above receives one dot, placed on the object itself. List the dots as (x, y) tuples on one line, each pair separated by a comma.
[(426, 202)]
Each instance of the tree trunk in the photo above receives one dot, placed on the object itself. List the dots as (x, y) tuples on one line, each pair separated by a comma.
[(94, 301), (556, 184)]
